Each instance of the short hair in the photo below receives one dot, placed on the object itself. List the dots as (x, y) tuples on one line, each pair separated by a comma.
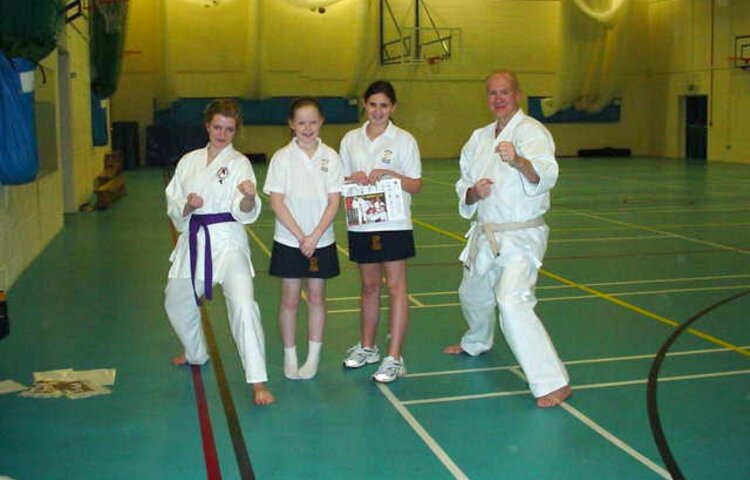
[(505, 73), (304, 102), (381, 86), (226, 107)]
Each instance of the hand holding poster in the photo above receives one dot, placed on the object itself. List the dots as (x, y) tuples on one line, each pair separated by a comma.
[(380, 202)]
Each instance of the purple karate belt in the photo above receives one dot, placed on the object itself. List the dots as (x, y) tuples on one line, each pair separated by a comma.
[(196, 223)]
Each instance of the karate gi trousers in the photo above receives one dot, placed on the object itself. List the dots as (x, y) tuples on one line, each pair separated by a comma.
[(244, 318), (510, 289)]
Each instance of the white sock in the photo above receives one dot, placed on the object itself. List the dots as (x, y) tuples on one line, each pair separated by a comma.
[(310, 368), (290, 363)]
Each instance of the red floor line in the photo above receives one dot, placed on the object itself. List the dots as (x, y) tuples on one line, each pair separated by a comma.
[(213, 471)]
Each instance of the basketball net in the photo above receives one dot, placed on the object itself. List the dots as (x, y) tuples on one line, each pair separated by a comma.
[(114, 12)]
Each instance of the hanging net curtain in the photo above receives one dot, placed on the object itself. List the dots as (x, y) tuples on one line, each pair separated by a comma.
[(108, 25), (593, 36)]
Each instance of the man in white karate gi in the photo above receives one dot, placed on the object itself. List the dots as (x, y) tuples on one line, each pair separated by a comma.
[(507, 171)]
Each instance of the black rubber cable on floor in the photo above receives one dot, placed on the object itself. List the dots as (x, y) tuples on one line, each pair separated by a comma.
[(651, 402)]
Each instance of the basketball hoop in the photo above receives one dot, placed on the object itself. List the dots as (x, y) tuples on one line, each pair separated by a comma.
[(741, 62), (114, 12)]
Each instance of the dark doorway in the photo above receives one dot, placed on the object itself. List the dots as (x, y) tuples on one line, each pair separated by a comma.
[(696, 126)]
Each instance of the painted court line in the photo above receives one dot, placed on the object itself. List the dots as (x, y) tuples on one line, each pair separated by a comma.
[(610, 284), (656, 230), (573, 240), (610, 239), (619, 294), (588, 361), (647, 313), (585, 386), (614, 440), (563, 298), (645, 211), (608, 297), (609, 228), (422, 433)]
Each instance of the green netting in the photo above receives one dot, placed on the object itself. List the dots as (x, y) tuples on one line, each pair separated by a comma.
[(29, 28), (107, 41)]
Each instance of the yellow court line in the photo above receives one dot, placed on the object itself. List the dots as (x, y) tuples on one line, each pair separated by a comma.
[(415, 301), (610, 298), (265, 249), (432, 180), (656, 230), (619, 294), (259, 241), (611, 239), (442, 245), (648, 211), (611, 284)]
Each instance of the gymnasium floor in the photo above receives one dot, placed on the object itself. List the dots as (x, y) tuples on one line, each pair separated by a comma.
[(638, 246)]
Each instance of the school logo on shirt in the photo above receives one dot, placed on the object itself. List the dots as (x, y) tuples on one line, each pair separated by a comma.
[(387, 156), (222, 173), (324, 165)]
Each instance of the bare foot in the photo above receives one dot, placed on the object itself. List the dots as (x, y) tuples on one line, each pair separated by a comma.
[(555, 398), (261, 394), (179, 360), (453, 350)]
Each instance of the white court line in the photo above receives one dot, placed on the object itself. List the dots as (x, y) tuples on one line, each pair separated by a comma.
[(587, 386), (610, 284), (604, 433), (572, 297), (571, 240), (656, 230), (614, 440), (422, 433), (587, 361), (647, 292), (562, 211)]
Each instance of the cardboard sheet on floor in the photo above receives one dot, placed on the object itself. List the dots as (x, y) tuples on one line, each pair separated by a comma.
[(73, 390), (10, 386), (100, 376), (73, 384)]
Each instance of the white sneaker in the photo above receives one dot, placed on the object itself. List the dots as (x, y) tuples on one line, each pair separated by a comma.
[(360, 356), (390, 370)]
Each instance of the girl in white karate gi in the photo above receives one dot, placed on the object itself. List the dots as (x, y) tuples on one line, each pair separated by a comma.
[(381, 149), (304, 184), (209, 199)]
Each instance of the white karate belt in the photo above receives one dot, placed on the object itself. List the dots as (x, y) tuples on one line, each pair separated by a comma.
[(489, 230)]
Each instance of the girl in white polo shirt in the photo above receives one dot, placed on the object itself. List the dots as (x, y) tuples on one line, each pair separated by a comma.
[(304, 184), (380, 150)]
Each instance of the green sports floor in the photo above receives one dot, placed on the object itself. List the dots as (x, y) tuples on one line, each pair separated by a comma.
[(638, 247)]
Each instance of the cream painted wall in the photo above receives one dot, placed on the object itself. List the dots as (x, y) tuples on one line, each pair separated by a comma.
[(32, 214), (261, 48), (87, 161), (690, 45)]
